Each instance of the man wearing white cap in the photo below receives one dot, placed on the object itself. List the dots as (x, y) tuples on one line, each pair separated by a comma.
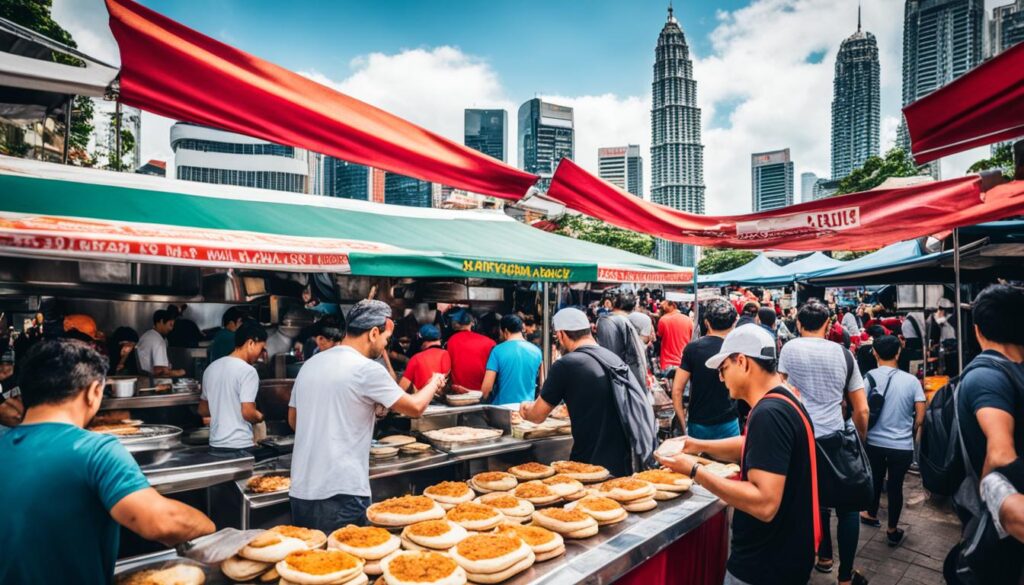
[(580, 379), (775, 526)]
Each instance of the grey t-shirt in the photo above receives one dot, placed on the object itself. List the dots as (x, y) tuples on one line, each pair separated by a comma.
[(227, 383), (895, 426), (334, 397), (642, 322), (817, 369)]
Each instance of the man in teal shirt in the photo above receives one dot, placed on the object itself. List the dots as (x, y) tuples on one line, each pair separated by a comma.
[(512, 367), (67, 489), (224, 341)]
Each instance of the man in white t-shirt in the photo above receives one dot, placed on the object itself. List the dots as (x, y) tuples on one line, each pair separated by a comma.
[(332, 411), (152, 347), (230, 385)]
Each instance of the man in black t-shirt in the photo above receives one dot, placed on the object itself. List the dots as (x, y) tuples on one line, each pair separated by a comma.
[(712, 414), (775, 525), (578, 379)]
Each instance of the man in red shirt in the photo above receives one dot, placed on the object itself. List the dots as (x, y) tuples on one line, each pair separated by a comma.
[(469, 352), (674, 330), (432, 359)]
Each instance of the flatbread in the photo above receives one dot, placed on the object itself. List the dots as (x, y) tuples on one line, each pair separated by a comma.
[(551, 554), (473, 516), (366, 542), (449, 493), (539, 539), (563, 521), (601, 509), (402, 511), (490, 553), (531, 470), (270, 576), (360, 579), (320, 567), (665, 480), (271, 547), (627, 489), (397, 440), (563, 485), (180, 574), (671, 447), (584, 472), (237, 568), (644, 505), (401, 567), (536, 493), (507, 504), (313, 538), (432, 534), (487, 579), (622, 516), (495, 481), (661, 496), (585, 533)]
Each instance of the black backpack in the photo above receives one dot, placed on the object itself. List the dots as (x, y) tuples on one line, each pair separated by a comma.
[(876, 399)]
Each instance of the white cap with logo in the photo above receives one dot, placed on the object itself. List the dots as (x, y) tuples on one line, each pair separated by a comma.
[(750, 340), (570, 319)]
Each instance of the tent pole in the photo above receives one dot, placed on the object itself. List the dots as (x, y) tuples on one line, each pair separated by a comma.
[(956, 299), (924, 334), (67, 128), (117, 129), (696, 299), (546, 326)]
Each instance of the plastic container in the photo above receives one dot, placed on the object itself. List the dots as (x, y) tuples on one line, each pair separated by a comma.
[(122, 387)]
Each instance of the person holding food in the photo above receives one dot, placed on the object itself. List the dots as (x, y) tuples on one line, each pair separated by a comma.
[(152, 347), (431, 359), (230, 385), (67, 489), (513, 368), (332, 411)]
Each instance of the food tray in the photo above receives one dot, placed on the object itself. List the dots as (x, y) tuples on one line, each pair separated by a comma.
[(243, 484), (448, 445), (163, 563), (152, 437)]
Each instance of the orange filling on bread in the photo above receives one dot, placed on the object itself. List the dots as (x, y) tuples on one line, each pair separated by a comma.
[(487, 546), (532, 535), (321, 562), (423, 567), (430, 528), (492, 476), (361, 536), (406, 505), (625, 483), (449, 489), (563, 515), (502, 502), (533, 490), (557, 479), (295, 532), (471, 511), (577, 467), (533, 467), (266, 539), (660, 476), (599, 504)]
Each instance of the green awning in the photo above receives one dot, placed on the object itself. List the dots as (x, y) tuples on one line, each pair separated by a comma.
[(51, 210)]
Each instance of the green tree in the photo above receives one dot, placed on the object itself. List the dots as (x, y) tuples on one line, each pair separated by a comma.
[(895, 163), (1001, 159), (36, 15), (592, 230), (715, 260), (115, 160)]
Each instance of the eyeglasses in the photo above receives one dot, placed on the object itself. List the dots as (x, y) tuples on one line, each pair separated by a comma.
[(723, 367)]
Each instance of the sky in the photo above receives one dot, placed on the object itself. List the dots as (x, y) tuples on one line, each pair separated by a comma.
[(764, 68)]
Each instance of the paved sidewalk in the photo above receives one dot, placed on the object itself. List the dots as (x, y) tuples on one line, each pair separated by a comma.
[(932, 529)]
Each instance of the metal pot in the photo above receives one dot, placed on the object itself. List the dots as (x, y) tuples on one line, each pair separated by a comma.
[(122, 387)]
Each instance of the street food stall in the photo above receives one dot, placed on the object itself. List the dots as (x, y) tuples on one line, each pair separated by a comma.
[(63, 243)]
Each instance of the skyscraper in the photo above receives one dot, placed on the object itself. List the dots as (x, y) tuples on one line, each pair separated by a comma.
[(546, 135), (771, 180), (856, 103), (807, 181), (942, 40), (622, 166), (487, 131), (1007, 26), (677, 155), (403, 190)]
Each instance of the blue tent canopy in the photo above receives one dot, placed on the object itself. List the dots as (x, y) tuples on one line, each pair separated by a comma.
[(813, 265), (758, 268), (890, 258)]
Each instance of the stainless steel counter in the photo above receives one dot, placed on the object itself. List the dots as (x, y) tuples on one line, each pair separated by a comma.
[(151, 401), (195, 468)]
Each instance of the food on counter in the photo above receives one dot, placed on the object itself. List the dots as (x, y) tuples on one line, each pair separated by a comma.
[(266, 484), (237, 568), (671, 447), (565, 486), (414, 448), (405, 510), (546, 544), (271, 547), (419, 567), (627, 489), (111, 417), (536, 493), (433, 535), (313, 538), (467, 399), (515, 418), (568, 523), (515, 509), (584, 472), (397, 440), (271, 576), (493, 558), (462, 434), (531, 470), (448, 494), (561, 411), (476, 517), (605, 510), (366, 542), (180, 574), (118, 430), (722, 469), (321, 567), (493, 481), (670, 485), (383, 452)]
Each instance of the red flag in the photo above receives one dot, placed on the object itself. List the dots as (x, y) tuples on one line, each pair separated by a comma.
[(172, 70), (859, 221), (984, 106)]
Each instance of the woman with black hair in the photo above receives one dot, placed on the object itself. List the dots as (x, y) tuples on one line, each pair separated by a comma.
[(121, 352)]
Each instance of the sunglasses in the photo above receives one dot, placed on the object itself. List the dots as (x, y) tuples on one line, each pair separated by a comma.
[(725, 364)]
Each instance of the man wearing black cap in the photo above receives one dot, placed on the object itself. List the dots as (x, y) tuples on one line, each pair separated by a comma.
[(332, 411)]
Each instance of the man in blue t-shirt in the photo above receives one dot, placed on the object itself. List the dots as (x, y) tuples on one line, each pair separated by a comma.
[(511, 376), (67, 489)]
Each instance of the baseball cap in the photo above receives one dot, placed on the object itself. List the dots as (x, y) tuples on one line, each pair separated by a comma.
[(430, 333), (461, 316), (570, 319), (750, 340), (367, 314)]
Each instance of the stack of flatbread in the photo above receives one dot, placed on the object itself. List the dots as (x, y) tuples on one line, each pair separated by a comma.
[(403, 511), (179, 574), (671, 447), (670, 485), (493, 481), (493, 558), (568, 523), (721, 469), (635, 495), (476, 517), (605, 510), (449, 494), (566, 487), (537, 493), (432, 535), (321, 567), (546, 544), (584, 472), (369, 543), (531, 470), (514, 509), (422, 568), (462, 434), (257, 558)]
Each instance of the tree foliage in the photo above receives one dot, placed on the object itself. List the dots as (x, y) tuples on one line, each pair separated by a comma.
[(875, 170), (1001, 159), (596, 231), (715, 260)]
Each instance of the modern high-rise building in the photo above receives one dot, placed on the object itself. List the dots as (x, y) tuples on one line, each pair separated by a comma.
[(856, 103), (942, 40), (807, 181), (546, 136), (771, 176), (824, 188), (403, 190), (487, 131), (677, 155), (623, 167), (1006, 28), (214, 156)]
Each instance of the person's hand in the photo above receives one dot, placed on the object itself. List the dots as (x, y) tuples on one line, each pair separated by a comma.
[(681, 463), (126, 349), (437, 381), (459, 389), (525, 408), (693, 447)]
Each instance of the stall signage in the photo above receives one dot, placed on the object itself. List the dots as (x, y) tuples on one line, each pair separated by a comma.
[(605, 274), (513, 270), (823, 222)]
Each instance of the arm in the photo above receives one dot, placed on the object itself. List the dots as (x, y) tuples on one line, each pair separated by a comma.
[(720, 449), (678, 386), (919, 408), (204, 408), (1011, 516), (166, 372), (250, 413), (760, 496), (859, 404), (490, 377), (535, 411), (387, 365), (154, 517), (997, 424), (292, 415), (413, 405), (405, 384)]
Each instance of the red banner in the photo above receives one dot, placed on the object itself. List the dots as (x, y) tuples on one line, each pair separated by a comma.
[(984, 106), (172, 70), (859, 221)]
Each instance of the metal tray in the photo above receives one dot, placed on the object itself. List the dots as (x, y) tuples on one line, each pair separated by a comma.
[(460, 445), (152, 438)]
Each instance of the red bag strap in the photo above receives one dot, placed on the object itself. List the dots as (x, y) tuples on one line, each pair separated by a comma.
[(813, 452)]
